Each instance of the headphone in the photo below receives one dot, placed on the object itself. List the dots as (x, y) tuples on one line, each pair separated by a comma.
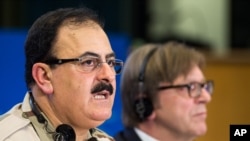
[(64, 132), (143, 105)]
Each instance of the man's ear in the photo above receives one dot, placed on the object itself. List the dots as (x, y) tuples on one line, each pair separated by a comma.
[(42, 76)]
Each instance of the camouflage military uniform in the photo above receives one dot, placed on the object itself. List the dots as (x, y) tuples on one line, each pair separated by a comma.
[(19, 124)]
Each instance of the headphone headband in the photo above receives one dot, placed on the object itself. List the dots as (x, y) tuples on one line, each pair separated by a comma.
[(143, 105), (144, 65)]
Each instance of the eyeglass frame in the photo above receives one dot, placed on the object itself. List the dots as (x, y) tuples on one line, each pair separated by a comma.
[(191, 86), (55, 61)]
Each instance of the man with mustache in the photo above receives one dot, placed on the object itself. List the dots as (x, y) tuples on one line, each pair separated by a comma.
[(164, 94), (70, 73)]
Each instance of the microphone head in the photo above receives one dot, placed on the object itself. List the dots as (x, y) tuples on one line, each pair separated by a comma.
[(65, 132), (92, 139)]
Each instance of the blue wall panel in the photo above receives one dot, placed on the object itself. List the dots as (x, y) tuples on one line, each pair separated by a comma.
[(12, 68)]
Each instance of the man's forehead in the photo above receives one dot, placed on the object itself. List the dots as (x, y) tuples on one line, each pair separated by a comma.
[(89, 41)]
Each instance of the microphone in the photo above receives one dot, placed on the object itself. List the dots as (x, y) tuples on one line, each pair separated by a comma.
[(92, 139), (65, 132)]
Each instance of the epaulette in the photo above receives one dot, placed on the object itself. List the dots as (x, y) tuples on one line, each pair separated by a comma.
[(10, 124)]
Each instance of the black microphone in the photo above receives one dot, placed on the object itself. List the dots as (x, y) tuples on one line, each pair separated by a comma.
[(65, 132), (92, 139)]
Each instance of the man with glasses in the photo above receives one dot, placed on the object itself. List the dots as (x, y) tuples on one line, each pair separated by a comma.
[(71, 78), (164, 94)]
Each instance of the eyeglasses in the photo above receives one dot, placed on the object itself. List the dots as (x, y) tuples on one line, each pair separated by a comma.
[(89, 64), (194, 89)]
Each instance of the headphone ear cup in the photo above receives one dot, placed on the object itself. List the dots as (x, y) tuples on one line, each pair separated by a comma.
[(143, 108)]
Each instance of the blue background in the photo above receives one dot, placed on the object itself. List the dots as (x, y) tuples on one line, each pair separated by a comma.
[(13, 87)]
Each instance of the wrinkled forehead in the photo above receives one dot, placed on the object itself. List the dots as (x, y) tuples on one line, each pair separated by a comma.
[(76, 40)]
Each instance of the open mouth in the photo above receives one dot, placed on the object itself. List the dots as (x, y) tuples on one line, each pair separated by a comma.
[(101, 95)]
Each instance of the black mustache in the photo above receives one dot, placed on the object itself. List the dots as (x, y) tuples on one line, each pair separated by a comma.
[(102, 86)]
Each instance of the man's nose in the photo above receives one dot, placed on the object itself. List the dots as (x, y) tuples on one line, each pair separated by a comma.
[(106, 72), (205, 96)]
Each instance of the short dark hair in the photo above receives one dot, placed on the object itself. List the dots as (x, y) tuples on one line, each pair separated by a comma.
[(43, 33)]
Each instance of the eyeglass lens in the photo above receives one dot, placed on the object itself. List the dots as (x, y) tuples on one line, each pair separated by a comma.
[(196, 88), (90, 64)]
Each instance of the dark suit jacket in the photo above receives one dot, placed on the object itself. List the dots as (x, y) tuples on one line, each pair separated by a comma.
[(128, 134)]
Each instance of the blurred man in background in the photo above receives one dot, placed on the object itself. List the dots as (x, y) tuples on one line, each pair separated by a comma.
[(164, 94)]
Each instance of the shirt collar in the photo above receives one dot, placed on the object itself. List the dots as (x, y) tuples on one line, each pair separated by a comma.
[(144, 136), (26, 105)]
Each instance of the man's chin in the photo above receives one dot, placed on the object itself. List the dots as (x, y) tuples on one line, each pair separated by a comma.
[(101, 117), (201, 130)]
